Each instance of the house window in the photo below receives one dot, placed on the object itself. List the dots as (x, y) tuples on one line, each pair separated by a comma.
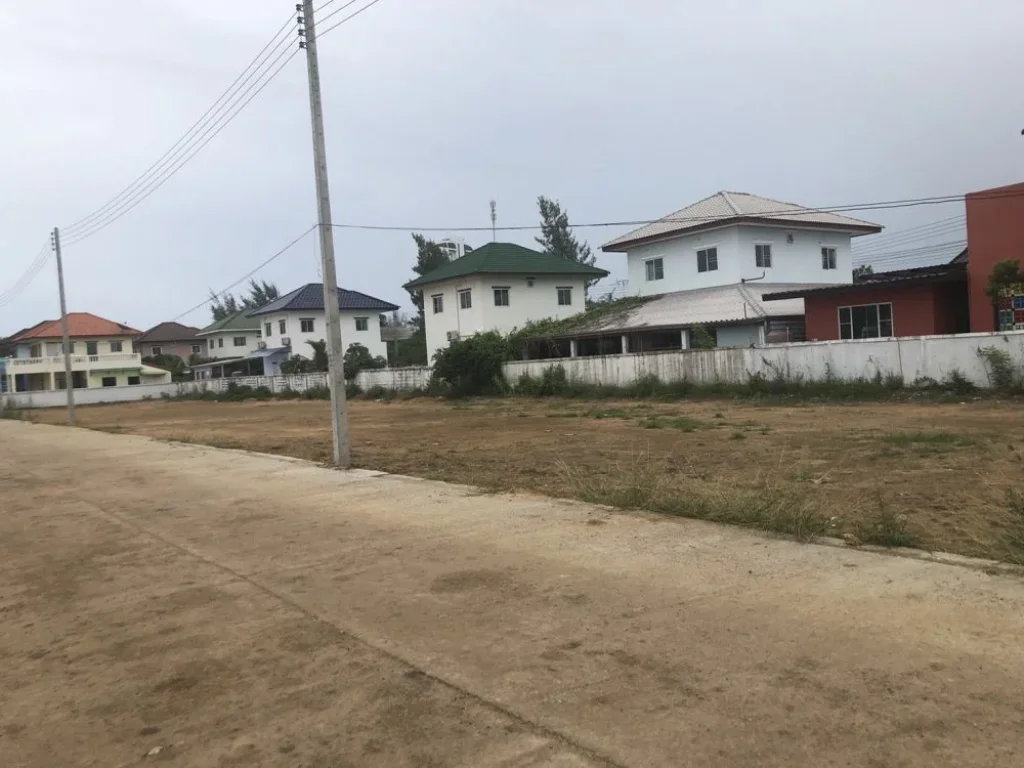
[(109, 381), (655, 269), (867, 321), (707, 260), (438, 303), (828, 258), (36, 350), (133, 380), (282, 326), (239, 341), (763, 255), (196, 349), (267, 329), (466, 299), (306, 324), (115, 346), (362, 323), (565, 297), (501, 297), (154, 351), (92, 348), (220, 342)]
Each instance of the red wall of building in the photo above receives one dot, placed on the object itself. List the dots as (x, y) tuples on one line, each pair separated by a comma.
[(915, 310), (995, 232)]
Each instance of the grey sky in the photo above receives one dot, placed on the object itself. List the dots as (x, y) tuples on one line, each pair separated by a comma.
[(622, 110)]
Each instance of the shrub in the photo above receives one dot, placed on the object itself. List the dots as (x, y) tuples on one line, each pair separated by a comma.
[(472, 366), (358, 358)]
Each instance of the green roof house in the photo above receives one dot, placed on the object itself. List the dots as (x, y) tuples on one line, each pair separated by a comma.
[(499, 287)]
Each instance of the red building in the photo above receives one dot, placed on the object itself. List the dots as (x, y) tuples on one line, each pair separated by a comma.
[(943, 299)]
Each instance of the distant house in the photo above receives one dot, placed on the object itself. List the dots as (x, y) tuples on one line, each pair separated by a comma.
[(101, 356), (293, 320), (709, 264), (500, 286), (234, 346), (171, 339)]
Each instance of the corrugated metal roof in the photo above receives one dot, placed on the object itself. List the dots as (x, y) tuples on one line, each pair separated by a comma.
[(310, 297), (703, 306), (950, 272), (507, 258), (724, 207)]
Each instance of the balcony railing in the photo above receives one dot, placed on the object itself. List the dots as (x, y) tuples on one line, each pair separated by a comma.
[(78, 362)]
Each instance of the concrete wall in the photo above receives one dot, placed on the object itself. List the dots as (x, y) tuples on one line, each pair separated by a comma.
[(58, 398), (796, 262), (912, 358), (525, 303)]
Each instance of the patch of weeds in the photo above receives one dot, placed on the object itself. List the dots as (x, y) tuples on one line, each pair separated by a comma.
[(565, 415), (1013, 538), (958, 384), (764, 430), (460, 406), (14, 414), (719, 416), (737, 436), (682, 423), (886, 528), (929, 443), (608, 413)]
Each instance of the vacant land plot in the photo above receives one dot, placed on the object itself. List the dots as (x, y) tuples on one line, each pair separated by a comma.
[(940, 476)]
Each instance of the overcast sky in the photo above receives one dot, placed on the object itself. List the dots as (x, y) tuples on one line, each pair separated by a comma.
[(621, 110)]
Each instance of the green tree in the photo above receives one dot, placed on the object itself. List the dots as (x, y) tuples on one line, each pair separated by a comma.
[(701, 338), (358, 358), (473, 366), (429, 256), (225, 305), (556, 236), (320, 362), (296, 364), (862, 271), (411, 351)]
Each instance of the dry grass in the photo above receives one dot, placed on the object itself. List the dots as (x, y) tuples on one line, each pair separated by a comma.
[(943, 476)]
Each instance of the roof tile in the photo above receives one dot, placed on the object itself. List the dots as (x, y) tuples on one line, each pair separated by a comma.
[(80, 324), (310, 297), (507, 258)]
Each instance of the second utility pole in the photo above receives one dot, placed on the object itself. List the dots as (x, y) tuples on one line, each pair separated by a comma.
[(69, 383), (332, 308)]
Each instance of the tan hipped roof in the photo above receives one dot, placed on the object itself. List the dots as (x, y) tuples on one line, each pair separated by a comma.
[(733, 208)]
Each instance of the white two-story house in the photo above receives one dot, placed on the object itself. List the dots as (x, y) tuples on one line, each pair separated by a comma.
[(232, 346), (499, 287), (101, 356), (709, 264), (293, 320)]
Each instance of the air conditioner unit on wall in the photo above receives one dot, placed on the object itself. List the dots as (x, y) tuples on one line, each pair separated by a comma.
[(452, 335), (286, 341)]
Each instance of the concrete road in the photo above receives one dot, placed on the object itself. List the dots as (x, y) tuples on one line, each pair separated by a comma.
[(217, 608)]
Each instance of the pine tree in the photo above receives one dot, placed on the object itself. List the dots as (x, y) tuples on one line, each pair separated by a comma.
[(557, 238)]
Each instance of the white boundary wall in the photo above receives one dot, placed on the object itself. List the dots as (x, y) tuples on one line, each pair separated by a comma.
[(912, 358), (401, 379)]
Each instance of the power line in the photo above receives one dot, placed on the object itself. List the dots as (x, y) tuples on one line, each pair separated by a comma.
[(246, 276), (35, 267), (780, 213), (920, 249), (321, 19), (347, 18), (206, 137), (880, 243)]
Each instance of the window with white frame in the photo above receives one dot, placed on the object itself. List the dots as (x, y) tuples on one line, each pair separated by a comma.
[(92, 348), (565, 297), (156, 351), (115, 346), (828, 257), (437, 301), (306, 324), (362, 323), (501, 297), (866, 321), (220, 342), (282, 326), (267, 329), (196, 349), (707, 260), (466, 298), (238, 341), (655, 269), (763, 255)]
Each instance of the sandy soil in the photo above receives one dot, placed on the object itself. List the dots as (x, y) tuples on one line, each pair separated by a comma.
[(947, 467), (231, 609)]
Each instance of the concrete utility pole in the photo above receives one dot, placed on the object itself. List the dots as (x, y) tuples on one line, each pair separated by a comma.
[(336, 371), (69, 384)]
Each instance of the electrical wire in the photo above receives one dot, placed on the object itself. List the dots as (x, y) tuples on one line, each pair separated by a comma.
[(35, 267), (875, 244), (205, 138), (246, 276), (321, 33), (69, 229), (781, 213), (335, 12)]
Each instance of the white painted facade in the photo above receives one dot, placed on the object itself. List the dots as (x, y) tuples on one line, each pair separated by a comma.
[(224, 343), (799, 261), (270, 327), (529, 298)]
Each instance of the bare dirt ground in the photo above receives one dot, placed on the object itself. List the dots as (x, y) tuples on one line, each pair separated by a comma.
[(217, 608), (953, 473)]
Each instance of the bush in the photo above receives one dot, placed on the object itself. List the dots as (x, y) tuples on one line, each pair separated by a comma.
[(358, 358), (473, 366)]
